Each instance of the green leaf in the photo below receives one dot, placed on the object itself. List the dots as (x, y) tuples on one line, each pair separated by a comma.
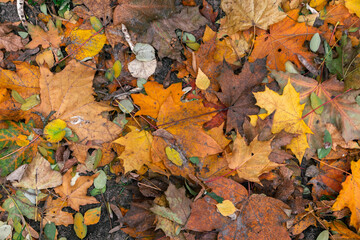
[(30, 102), (324, 235), (144, 52), (334, 65), (315, 42), (100, 180), (96, 191), (96, 24), (126, 106), (98, 157), (215, 197), (17, 97), (323, 152), (43, 8), (316, 102), (194, 160), (50, 230), (19, 205), (12, 155)]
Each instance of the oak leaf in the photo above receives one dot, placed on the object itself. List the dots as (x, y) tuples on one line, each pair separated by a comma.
[(70, 94), (288, 116), (342, 111), (156, 95), (283, 42), (244, 14), (137, 149), (76, 195), (251, 161), (349, 194), (51, 38)]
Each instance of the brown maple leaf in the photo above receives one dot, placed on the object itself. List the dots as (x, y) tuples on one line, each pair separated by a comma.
[(76, 195), (248, 225), (283, 42), (236, 92), (70, 94)]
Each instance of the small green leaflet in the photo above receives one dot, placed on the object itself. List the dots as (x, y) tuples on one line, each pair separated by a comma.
[(323, 152)]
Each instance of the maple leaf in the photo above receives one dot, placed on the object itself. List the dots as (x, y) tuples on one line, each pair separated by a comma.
[(342, 111), (75, 195), (156, 95), (244, 14), (39, 175), (9, 40), (236, 94), (70, 94), (184, 121), (25, 81), (328, 181), (248, 225), (54, 213), (349, 194), (47, 39), (288, 116), (137, 148), (251, 161), (18, 145), (284, 41)]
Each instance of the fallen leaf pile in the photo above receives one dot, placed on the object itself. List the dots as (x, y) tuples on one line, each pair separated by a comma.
[(231, 119)]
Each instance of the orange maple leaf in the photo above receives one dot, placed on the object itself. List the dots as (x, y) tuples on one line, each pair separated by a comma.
[(156, 95), (284, 42), (350, 194), (76, 195)]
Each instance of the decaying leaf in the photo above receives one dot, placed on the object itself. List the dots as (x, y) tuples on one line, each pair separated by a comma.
[(244, 14), (39, 175), (342, 111), (51, 38), (236, 93)]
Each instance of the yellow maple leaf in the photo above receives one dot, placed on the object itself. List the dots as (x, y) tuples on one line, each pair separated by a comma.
[(244, 14), (288, 115), (353, 6), (156, 95), (137, 149), (76, 195), (350, 194), (251, 161)]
